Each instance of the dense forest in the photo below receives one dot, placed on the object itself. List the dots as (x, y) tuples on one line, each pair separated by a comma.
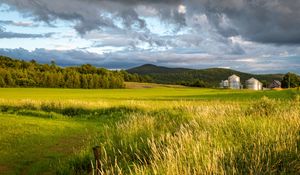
[(20, 73)]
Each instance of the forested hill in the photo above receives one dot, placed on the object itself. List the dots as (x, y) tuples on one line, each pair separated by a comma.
[(19, 73), (147, 69), (204, 77)]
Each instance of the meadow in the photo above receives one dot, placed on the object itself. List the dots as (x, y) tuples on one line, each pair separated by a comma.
[(149, 129)]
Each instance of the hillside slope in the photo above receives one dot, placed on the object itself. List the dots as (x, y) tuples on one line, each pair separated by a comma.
[(211, 77), (147, 69)]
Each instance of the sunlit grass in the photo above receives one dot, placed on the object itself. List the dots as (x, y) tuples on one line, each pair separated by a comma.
[(29, 144), (150, 131), (153, 94)]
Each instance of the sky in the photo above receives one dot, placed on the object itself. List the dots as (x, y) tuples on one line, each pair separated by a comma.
[(256, 36)]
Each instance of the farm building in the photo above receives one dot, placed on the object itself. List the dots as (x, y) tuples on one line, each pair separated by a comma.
[(254, 84), (275, 84), (224, 84), (233, 82)]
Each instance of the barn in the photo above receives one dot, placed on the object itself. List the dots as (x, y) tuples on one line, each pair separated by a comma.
[(275, 84)]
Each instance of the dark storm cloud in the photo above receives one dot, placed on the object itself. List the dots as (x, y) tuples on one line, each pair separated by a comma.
[(92, 14), (265, 21)]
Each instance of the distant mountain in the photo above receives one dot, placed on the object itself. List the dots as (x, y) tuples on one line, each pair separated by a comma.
[(210, 77), (147, 69)]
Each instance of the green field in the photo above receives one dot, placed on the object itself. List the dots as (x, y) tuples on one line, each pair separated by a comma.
[(150, 130)]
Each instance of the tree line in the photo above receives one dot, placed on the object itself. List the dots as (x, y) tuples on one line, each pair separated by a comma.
[(290, 80), (20, 73)]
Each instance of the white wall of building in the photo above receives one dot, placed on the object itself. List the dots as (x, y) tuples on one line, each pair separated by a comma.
[(234, 82), (253, 84)]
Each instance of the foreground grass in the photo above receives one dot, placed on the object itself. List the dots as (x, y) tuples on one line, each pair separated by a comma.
[(215, 132), (29, 145)]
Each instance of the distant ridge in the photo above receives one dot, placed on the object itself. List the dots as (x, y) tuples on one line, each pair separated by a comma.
[(211, 76), (153, 69)]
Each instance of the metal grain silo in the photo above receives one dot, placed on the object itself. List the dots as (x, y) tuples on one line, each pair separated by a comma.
[(253, 84), (224, 84), (234, 82)]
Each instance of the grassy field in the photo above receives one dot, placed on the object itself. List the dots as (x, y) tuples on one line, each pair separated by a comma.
[(149, 129)]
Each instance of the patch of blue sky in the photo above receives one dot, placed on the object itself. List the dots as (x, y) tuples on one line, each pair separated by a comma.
[(4, 8), (64, 36), (155, 26), (6, 14), (33, 30)]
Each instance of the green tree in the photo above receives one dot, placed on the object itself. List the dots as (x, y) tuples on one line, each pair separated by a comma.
[(90, 81), (84, 82), (60, 80), (97, 84), (2, 82), (9, 81), (68, 80), (265, 83), (76, 80), (290, 80), (105, 82), (53, 63), (49, 80), (198, 83), (33, 61), (25, 82)]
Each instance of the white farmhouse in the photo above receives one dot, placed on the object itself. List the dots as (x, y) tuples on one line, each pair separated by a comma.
[(254, 84)]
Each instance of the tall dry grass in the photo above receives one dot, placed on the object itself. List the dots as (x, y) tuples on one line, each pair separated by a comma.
[(183, 137), (262, 137)]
